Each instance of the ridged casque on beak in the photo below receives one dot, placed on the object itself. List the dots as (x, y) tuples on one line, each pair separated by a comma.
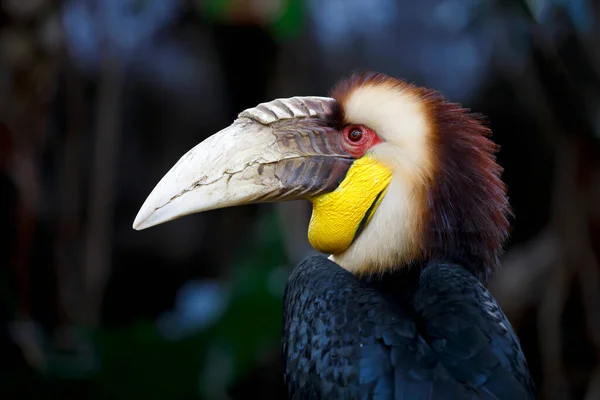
[(282, 150)]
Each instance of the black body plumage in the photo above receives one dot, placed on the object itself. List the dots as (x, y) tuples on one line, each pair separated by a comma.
[(424, 333)]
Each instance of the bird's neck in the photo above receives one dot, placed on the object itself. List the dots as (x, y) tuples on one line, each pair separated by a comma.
[(400, 282)]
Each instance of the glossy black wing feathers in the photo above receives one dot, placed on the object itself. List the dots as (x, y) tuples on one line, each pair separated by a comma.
[(470, 334), (344, 339)]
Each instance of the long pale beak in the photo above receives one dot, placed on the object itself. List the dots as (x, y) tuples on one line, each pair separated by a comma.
[(283, 150)]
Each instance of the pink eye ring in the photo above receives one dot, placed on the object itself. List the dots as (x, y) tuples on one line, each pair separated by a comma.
[(358, 139)]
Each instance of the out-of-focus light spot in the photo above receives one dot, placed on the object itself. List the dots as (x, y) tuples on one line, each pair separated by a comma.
[(462, 66), (199, 304), (536, 7), (268, 9), (339, 22), (171, 64), (120, 25), (80, 34), (579, 11), (453, 15)]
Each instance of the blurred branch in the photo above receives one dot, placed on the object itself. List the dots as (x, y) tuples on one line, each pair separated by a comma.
[(102, 194), (67, 257), (557, 292)]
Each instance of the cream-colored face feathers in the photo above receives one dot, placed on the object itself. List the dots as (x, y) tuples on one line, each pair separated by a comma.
[(399, 117)]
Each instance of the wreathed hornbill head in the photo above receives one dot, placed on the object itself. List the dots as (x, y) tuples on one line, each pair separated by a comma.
[(396, 175)]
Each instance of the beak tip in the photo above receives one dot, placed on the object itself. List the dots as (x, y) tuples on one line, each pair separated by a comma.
[(141, 221), (138, 225)]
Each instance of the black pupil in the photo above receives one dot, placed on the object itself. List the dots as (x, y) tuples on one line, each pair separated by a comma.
[(355, 135)]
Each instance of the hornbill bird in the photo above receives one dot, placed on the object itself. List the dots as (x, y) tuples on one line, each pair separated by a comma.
[(408, 201)]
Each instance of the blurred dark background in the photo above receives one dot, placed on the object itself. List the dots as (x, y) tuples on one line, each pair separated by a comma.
[(98, 98)]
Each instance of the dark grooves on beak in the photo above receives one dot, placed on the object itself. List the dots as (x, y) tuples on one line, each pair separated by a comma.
[(322, 164), (285, 149), (306, 177)]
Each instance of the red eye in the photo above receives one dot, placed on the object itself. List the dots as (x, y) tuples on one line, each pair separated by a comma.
[(357, 139), (355, 135)]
